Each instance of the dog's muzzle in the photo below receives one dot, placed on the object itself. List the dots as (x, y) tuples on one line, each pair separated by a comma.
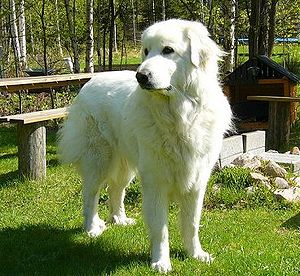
[(145, 81)]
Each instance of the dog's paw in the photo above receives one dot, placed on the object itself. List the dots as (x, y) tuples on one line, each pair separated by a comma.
[(96, 229), (122, 220), (162, 266), (203, 256)]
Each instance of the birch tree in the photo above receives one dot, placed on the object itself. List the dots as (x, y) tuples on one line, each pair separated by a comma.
[(74, 43), (15, 35), (229, 12), (22, 35), (58, 30), (89, 65)]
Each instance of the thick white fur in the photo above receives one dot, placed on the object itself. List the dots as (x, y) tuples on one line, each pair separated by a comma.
[(170, 135)]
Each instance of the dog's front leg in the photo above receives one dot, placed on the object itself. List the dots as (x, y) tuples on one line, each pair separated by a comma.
[(155, 205), (191, 207)]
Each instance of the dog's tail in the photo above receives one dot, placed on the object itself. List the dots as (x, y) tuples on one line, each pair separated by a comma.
[(71, 136)]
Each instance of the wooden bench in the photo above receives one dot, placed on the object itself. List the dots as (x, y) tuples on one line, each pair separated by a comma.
[(31, 133), (279, 119)]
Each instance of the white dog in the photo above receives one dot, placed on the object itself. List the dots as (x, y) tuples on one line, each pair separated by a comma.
[(165, 123)]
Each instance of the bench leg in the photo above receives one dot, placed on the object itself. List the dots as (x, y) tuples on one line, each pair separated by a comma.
[(32, 150), (278, 125)]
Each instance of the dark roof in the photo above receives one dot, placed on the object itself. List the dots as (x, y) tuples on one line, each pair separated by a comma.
[(260, 67)]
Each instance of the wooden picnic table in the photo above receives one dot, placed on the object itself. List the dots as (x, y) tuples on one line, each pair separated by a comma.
[(279, 119), (52, 81), (31, 129)]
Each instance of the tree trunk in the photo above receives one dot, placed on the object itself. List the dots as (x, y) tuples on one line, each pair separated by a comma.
[(254, 28), (15, 36), (98, 34), (89, 65), (229, 12), (32, 150), (271, 32), (133, 22), (58, 31), (163, 10), (74, 43), (263, 29), (111, 33), (44, 38), (22, 36)]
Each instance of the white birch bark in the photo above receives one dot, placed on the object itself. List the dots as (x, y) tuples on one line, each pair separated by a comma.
[(58, 30), (22, 35), (89, 64), (14, 32), (229, 34)]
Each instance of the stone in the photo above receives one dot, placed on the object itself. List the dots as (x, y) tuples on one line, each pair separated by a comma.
[(274, 170), (216, 187), (295, 151), (250, 190), (297, 181), (260, 179), (247, 160), (281, 183), (291, 194)]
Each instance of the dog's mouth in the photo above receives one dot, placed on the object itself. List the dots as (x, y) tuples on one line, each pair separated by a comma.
[(145, 82), (151, 88)]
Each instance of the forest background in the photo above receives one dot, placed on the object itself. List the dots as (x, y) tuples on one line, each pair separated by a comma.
[(95, 34)]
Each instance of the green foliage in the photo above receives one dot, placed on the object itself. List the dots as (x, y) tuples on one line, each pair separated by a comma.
[(234, 178), (228, 189)]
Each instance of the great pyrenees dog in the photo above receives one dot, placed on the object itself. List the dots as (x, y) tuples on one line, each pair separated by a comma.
[(164, 123)]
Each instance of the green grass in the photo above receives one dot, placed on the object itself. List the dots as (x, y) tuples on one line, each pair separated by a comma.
[(40, 231)]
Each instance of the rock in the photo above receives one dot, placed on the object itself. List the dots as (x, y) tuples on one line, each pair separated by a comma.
[(295, 150), (250, 190), (291, 194), (297, 181), (247, 160), (281, 183), (274, 170), (216, 187), (260, 179)]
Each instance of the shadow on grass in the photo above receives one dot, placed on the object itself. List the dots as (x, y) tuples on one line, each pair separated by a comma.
[(7, 179), (44, 250), (54, 162), (9, 155), (293, 222)]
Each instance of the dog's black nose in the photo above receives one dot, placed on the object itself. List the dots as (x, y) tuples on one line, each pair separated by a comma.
[(142, 78)]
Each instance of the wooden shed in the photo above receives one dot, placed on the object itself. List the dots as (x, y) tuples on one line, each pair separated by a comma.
[(259, 76)]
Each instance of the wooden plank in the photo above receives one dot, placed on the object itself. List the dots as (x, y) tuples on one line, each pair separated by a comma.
[(16, 84), (273, 98), (38, 116), (272, 81), (279, 125)]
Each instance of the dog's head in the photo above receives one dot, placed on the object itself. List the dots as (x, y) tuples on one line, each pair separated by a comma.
[(171, 51)]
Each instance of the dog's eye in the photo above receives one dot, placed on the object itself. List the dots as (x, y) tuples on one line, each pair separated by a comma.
[(167, 50), (146, 52)]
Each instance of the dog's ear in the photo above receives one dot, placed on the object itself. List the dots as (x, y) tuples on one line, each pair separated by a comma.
[(203, 49)]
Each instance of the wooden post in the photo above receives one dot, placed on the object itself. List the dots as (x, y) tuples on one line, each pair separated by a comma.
[(278, 132), (32, 150)]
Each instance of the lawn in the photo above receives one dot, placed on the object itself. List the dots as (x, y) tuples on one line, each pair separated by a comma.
[(40, 231)]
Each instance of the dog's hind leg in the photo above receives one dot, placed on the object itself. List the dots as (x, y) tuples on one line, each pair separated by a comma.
[(116, 190), (94, 170), (93, 225), (191, 205)]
